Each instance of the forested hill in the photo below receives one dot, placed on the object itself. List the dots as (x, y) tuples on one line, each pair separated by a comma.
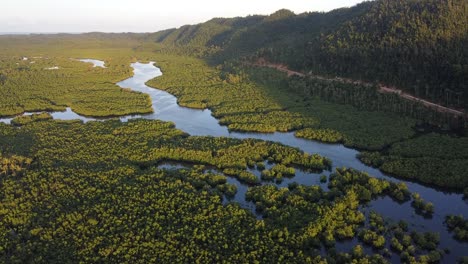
[(416, 45)]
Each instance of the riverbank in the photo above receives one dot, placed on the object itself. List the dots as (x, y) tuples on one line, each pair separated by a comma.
[(381, 88), (202, 123)]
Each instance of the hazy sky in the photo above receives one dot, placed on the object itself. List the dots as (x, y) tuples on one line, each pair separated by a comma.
[(138, 15)]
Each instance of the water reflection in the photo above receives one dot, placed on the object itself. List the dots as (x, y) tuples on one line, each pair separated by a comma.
[(202, 123)]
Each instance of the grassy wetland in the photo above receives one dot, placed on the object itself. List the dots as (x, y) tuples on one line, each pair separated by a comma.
[(263, 183)]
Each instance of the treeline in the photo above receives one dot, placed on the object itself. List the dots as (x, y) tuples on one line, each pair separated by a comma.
[(52, 83), (22, 120), (368, 98), (314, 218), (417, 46), (95, 193), (433, 159), (342, 110), (257, 99), (118, 142), (264, 100), (458, 225)]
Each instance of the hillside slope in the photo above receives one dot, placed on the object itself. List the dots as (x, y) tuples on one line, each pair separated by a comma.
[(416, 45)]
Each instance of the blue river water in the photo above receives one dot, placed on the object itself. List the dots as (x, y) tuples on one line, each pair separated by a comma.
[(202, 123)]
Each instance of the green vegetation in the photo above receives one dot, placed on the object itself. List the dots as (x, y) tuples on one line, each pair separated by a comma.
[(314, 217), (433, 158), (22, 120), (243, 176), (104, 187), (240, 104), (362, 96), (458, 225), (205, 181), (415, 45), (372, 238), (366, 187), (323, 179), (263, 102), (389, 46), (260, 165), (277, 172), (324, 135), (103, 197), (209, 66), (88, 90), (94, 192), (407, 244), (145, 149), (13, 166), (422, 207), (371, 158)]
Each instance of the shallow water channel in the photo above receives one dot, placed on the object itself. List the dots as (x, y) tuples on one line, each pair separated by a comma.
[(202, 123)]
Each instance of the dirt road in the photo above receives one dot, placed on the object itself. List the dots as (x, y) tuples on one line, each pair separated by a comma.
[(382, 88)]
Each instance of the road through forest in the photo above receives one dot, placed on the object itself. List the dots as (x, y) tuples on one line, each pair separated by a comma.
[(382, 88)]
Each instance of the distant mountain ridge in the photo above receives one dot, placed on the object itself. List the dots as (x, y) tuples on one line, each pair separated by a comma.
[(417, 45)]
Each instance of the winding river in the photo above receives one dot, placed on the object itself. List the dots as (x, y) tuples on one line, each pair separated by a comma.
[(202, 123)]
